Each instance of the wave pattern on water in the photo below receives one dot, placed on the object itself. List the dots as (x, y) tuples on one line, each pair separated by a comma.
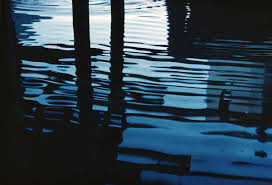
[(201, 96)]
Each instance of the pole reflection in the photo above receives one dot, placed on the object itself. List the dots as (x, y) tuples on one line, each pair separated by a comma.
[(87, 136), (116, 106)]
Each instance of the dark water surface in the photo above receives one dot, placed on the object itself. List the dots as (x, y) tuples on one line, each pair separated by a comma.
[(187, 101)]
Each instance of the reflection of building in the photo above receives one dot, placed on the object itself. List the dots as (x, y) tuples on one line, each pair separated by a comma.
[(228, 46), (236, 50), (225, 37), (232, 18)]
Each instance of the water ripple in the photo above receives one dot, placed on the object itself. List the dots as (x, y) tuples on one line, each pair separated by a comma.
[(203, 95)]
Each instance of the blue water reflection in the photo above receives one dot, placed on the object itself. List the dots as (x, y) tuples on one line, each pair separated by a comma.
[(180, 85)]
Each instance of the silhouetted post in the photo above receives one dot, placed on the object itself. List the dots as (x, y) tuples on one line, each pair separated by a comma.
[(82, 47), (83, 64), (87, 140), (113, 136), (116, 98), (116, 104), (11, 127), (81, 25)]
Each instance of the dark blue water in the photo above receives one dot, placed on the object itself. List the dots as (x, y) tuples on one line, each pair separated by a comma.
[(183, 64)]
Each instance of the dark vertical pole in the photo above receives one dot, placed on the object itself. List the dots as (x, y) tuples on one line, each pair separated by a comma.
[(81, 24), (87, 132), (116, 97), (12, 127), (82, 47), (113, 135)]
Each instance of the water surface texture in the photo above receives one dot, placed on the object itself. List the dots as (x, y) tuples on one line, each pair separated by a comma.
[(187, 95)]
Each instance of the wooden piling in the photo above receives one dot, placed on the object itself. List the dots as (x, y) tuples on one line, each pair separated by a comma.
[(82, 47), (88, 125), (116, 96)]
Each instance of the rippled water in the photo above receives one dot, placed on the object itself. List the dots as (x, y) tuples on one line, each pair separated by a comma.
[(178, 59)]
